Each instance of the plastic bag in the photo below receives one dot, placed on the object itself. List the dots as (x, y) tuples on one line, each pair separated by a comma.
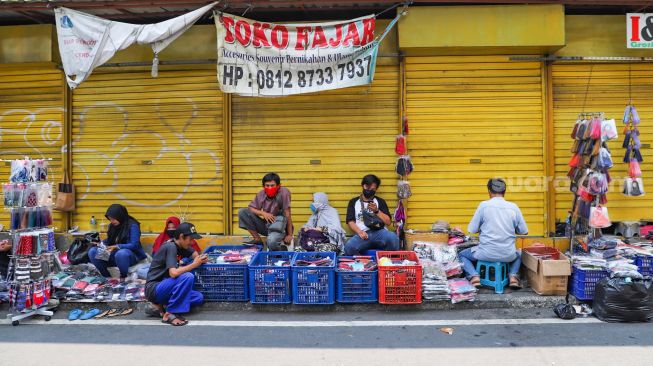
[(565, 311), (633, 187), (400, 145), (599, 217), (634, 171), (8, 194), (633, 112), (404, 165), (605, 159), (102, 253), (403, 189), (598, 184), (596, 129), (622, 300), (609, 130)]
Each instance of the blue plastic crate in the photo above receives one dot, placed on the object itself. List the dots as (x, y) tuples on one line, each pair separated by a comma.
[(583, 290), (587, 275), (224, 281), (224, 248), (357, 287), (314, 285), (270, 284), (644, 261)]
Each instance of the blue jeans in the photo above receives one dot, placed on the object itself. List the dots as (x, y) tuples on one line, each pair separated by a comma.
[(177, 294), (121, 258), (469, 263), (380, 239)]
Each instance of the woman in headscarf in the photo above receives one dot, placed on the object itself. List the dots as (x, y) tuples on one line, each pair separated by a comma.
[(323, 231), (169, 232), (123, 242)]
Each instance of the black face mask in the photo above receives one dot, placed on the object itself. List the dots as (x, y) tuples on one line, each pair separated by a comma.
[(369, 193), (171, 233)]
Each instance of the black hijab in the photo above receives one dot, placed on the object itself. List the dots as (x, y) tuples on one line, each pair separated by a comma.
[(119, 234)]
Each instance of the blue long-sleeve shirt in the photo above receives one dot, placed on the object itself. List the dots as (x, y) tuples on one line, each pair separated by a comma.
[(133, 242), (498, 222)]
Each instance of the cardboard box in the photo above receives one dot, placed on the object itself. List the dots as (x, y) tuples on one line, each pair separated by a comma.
[(427, 236), (548, 276)]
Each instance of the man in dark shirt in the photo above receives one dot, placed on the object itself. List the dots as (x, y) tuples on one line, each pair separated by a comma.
[(269, 214), (366, 238), (169, 286)]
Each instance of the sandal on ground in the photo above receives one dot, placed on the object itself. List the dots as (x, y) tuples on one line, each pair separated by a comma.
[(102, 314), (475, 281), (171, 320), (514, 282), (121, 312), (114, 312)]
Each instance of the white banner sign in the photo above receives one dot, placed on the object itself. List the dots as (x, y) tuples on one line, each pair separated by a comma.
[(270, 59), (640, 30), (87, 41)]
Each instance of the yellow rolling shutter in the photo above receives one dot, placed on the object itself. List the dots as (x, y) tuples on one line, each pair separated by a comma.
[(609, 93), (31, 119), (473, 118), (154, 145), (317, 142)]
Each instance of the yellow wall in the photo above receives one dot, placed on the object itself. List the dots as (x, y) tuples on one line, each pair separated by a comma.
[(511, 28), (27, 43), (598, 35)]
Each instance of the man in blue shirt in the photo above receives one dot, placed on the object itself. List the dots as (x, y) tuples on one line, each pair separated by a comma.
[(499, 222)]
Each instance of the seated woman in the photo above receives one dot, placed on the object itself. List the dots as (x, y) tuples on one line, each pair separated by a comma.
[(323, 231), (168, 233), (123, 242)]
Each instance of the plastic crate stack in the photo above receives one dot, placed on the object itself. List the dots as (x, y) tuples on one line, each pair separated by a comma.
[(313, 278), (225, 277), (400, 277), (357, 280), (645, 265), (583, 282), (270, 279)]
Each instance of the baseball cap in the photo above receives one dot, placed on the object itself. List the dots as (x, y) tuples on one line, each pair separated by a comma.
[(188, 229)]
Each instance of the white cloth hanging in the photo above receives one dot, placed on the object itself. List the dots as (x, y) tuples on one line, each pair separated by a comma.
[(87, 41)]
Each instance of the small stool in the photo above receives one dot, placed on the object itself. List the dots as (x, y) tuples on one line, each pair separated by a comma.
[(493, 274)]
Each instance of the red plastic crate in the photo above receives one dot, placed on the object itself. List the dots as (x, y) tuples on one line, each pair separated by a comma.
[(543, 252), (400, 284)]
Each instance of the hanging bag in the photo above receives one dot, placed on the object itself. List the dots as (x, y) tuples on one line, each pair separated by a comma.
[(605, 159), (596, 128), (65, 194), (634, 170), (403, 189), (400, 145), (599, 218), (633, 187), (574, 131), (404, 165), (609, 130)]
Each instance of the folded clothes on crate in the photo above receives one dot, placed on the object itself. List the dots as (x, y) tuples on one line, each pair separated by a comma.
[(357, 264)]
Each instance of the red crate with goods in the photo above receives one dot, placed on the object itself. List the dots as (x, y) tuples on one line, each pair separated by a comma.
[(399, 283)]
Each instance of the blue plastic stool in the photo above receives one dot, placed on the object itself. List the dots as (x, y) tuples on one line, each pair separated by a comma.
[(493, 274)]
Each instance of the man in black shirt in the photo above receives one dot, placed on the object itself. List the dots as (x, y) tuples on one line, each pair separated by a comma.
[(169, 286), (366, 238)]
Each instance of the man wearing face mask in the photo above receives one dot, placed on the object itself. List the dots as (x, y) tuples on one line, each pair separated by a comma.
[(269, 214), (376, 210)]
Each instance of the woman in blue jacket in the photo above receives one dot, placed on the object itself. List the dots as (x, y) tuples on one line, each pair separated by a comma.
[(123, 241)]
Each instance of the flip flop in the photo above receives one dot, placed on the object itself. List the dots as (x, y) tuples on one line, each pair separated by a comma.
[(90, 314), (102, 314), (116, 312), (171, 319), (74, 314), (126, 312)]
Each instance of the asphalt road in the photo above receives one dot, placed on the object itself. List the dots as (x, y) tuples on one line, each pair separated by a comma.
[(480, 337)]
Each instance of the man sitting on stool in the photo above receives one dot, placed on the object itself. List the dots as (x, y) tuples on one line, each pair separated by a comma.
[(498, 222), (169, 286)]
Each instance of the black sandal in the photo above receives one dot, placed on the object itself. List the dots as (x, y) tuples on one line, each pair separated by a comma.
[(171, 319)]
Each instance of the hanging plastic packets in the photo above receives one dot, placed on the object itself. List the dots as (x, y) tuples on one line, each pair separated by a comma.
[(403, 189), (45, 195), (19, 171), (404, 165), (42, 170), (605, 159), (8, 194), (400, 145), (599, 217), (609, 130), (633, 187)]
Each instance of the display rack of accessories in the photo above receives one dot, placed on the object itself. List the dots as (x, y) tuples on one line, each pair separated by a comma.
[(633, 184), (404, 168), (28, 196), (589, 175)]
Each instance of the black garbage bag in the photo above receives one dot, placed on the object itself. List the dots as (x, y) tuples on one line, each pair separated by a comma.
[(619, 300), (565, 311)]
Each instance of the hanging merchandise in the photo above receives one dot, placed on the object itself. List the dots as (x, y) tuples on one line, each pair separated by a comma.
[(633, 184), (400, 145), (33, 253), (633, 187), (404, 165), (609, 130), (599, 217), (403, 189)]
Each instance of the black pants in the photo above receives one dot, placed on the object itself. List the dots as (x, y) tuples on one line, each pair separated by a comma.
[(250, 221)]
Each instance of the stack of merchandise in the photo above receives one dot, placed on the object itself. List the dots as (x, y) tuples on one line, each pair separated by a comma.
[(357, 264), (219, 255), (318, 262), (633, 184), (387, 262), (434, 281), (461, 290), (88, 285)]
